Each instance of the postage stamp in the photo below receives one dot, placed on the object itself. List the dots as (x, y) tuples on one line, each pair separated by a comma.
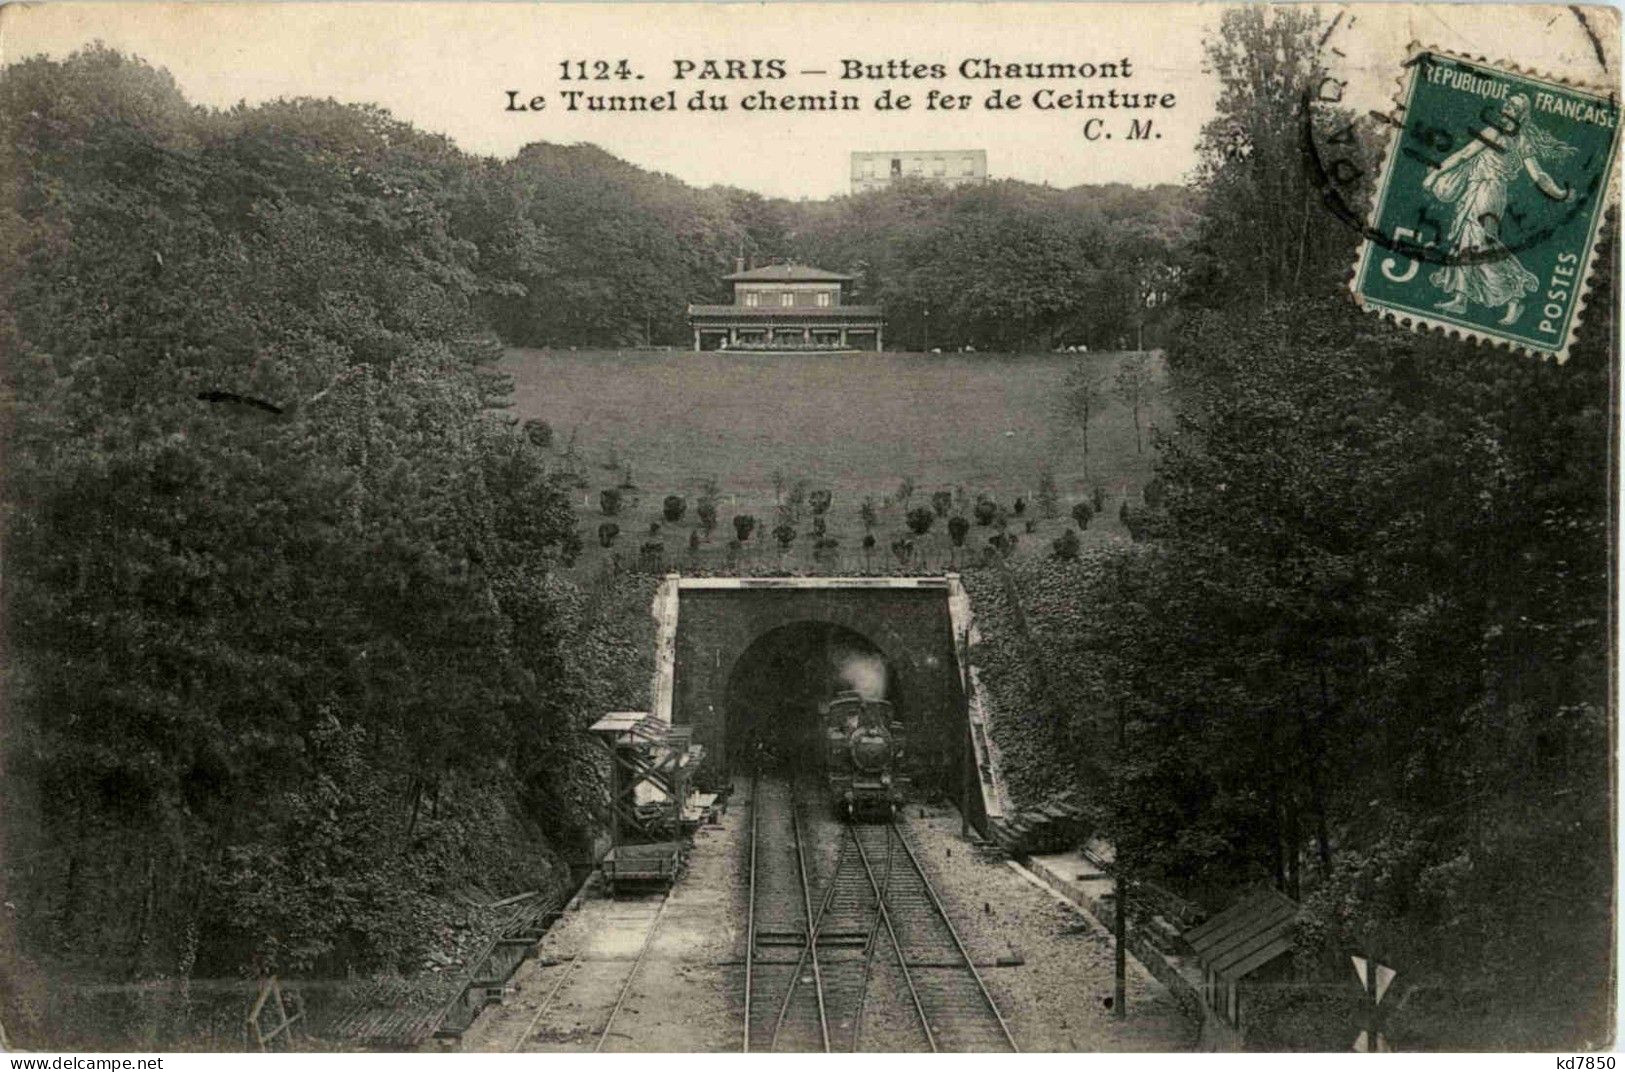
[(1489, 203)]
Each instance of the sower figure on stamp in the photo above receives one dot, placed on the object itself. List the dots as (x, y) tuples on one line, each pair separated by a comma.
[(1475, 179)]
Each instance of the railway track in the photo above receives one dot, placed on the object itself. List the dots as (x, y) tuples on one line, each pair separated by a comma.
[(879, 966), (587, 985), (955, 1013), (784, 998)]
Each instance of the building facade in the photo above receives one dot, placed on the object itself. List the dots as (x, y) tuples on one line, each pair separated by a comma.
[(943, 167), (787, 307)]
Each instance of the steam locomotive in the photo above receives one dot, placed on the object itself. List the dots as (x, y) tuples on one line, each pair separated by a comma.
[(863, 756)]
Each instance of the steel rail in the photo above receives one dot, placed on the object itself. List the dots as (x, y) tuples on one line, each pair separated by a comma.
[(547, 1002), (631, 976), (801, 961), (811, 934), (897, 946), (750, 908), (930, 891), (869, 943)]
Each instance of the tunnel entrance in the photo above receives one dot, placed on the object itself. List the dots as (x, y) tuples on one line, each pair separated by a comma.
[(781, 679)]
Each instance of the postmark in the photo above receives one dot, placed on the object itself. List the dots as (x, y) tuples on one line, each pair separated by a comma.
[(1489, 203)]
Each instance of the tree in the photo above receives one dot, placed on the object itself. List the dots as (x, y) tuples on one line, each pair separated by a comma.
[(1082, 396), (673, 508), (920, 519), (957, 529), (1082, 513), (609, 501), (942, 502), (1134, 386), (1259, 237), (785, 534), (744, 525), (1066, 546), (819, 501), (868, 514)]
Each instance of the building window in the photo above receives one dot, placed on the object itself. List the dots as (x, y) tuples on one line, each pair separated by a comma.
[(787, 299), (823, 299), (751, 297), (916, 166), (939, 166), (896, 167), (969, 167)]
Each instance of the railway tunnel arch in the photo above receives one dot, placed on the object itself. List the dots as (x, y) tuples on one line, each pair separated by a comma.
[(777, 684), (726, 631)]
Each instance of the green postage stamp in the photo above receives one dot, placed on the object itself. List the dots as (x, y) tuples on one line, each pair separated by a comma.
[(1491, 197)]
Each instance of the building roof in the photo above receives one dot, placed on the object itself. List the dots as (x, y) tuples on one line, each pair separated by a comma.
[(795, 312), (787, 273), (1245, 936)]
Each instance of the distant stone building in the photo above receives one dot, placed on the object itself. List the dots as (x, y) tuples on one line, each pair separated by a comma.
[(787, 307), (944, 167)]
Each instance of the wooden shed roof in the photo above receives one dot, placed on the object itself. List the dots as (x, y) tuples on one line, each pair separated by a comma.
[(1245, 936)]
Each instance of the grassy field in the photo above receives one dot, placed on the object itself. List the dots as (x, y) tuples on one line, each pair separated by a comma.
[(856, 424)]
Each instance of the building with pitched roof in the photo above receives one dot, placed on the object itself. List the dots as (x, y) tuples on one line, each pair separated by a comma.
[(787, 307)]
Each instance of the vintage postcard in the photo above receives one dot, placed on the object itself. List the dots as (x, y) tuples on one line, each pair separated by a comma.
[(629, 528)]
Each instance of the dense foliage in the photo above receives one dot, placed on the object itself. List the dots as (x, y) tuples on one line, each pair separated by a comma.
[(1362, 654), (276, 596), (609, 254)]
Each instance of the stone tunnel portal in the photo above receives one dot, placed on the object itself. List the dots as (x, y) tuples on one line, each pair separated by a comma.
[(778, 683), (753, 655)]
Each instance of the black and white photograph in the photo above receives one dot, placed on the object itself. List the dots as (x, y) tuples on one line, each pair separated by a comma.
[(776, 528)]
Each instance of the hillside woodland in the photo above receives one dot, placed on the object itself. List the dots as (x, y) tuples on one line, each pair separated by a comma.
[(289, 662)]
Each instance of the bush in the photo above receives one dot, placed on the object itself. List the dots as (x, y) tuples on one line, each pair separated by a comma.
[(673, 508), (903, 548), (609, 501), (796, 498), (920, 519), (819, 501), (694, 541), (942, 502), (654, 528), (1021, 506), (1098, 496), (957, 528), (607, 533), (785, 534), (985, 511), (744, 525), (1154, 492), (1066, 546), (1049, 497), (1004, 542), (869, 542), (1032, 525), (539, 432), (706, 511), (820, 526), (1082, 513)]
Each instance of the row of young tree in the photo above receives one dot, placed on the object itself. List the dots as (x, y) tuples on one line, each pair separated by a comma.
[(1365, 655)]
